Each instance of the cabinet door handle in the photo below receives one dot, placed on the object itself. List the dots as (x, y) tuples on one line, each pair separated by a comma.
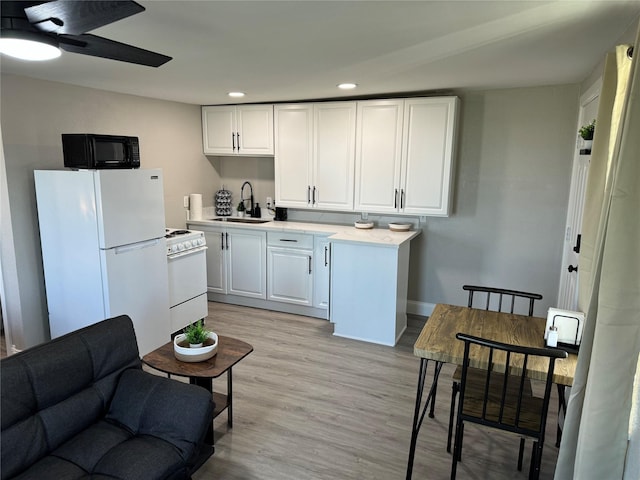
[(308, 194), (314, 195), (395, 199), (233, 141), (325, 256), (238, 140), (288, 240), (221, 241), (227, 237), (402, 198), (309, 264)]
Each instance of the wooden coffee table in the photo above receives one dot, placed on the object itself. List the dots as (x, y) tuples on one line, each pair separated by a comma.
[(230, 352)]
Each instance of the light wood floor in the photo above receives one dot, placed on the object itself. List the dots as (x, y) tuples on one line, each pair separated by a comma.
[(308, 405)]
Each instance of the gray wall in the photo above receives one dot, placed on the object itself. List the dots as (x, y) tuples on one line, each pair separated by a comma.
[(515, 154), (511, 186), (34, 114)]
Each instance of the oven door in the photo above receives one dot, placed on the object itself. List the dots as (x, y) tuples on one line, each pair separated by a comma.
[(187, 275)]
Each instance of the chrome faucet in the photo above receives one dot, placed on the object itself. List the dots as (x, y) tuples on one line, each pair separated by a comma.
[(242, 199)]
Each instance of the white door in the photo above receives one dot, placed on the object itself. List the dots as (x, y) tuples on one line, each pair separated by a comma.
[(429, 135), (378, 155), (334, 156), (129, 206), (293, 155), (247, 263), (290, 275), (568, 289), (135, 283), (218, 130), (216, 265), (255, 129)]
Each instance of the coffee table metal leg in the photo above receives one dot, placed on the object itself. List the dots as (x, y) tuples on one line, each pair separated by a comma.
[(208, 384), (229, 399)]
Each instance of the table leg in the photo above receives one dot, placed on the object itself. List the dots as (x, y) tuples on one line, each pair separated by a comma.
[(562, 408), (417, 416), (208, 384), (229, 399)]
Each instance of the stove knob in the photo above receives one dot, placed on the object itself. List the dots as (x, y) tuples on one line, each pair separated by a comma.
[(201, 241), (187, 244), (174, 248), (181, 247)]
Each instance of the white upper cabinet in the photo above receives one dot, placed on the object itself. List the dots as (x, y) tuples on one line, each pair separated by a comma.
[(294, 153), (334, 155), (404, 155), (238, 130), (378, 155), (315, 155), (427, 158)]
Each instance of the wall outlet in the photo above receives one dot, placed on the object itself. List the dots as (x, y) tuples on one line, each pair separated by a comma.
[(269, 201), (185, 201), (364, 216)]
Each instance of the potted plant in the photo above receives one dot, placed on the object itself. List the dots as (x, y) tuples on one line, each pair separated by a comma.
[(196, 334), (241, 209), (586, 133), (195, 344)]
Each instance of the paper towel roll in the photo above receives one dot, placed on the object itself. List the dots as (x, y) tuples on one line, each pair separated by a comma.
[(195, 206)]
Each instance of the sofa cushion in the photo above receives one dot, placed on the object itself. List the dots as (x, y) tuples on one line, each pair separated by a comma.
[(149, 405)]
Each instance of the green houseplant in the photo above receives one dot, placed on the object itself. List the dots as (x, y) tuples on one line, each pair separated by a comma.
[(241, 209), (196, 334), (586, 131)]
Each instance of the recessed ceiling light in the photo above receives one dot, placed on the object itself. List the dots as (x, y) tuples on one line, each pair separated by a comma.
[(236, 94), (27, 46), (347, 86)]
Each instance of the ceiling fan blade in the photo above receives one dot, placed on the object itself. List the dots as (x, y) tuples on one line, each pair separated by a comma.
[(76, 17), (103, 47)]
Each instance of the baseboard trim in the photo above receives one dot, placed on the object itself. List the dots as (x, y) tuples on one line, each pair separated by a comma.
[(420, 308)]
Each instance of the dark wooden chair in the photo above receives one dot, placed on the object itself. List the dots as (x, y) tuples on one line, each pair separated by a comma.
[(501, 300), (503, 402)]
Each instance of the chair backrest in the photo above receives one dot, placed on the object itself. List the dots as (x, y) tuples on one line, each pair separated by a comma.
[(502, 401), (500, 293)]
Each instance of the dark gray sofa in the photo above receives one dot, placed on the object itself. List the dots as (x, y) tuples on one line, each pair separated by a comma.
[(81, 407)]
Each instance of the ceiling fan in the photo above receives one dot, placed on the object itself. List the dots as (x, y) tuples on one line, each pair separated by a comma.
[(62, 24)]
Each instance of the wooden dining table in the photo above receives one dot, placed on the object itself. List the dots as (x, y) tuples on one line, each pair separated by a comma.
[(437, 342)]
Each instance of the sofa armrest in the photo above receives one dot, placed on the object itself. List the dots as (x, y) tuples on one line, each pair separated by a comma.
[(176, 412)]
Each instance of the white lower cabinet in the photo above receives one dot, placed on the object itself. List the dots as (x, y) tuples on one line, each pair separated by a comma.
[(216, 258), (290, 268), (236, 261), (322, 270)]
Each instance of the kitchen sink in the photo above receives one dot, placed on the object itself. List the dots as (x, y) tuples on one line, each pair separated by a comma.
[(240, 220)]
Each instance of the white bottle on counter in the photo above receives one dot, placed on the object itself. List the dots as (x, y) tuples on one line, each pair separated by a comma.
[(552, 337)]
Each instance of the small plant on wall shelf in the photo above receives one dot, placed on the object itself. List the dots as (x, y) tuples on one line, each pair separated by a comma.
[(195, 333), (586, 131)]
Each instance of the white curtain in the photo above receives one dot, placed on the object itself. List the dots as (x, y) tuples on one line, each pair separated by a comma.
[(595, 441)]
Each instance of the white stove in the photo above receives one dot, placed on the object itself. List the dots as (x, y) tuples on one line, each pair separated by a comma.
[(187, 267)]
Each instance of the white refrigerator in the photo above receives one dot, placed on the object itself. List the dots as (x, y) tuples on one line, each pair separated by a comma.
[(104, 251)]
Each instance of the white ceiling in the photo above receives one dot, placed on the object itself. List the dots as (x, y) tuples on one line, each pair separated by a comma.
[(297, 50)]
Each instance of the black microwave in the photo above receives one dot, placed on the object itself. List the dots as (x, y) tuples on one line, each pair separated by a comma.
[(87, 150)]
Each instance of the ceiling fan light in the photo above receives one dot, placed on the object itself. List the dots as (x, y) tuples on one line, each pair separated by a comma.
[(27, 46)]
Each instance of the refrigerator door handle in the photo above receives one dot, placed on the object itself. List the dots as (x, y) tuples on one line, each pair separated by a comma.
[(136, 246)]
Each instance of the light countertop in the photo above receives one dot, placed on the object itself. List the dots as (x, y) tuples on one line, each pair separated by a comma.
[(335, 233)]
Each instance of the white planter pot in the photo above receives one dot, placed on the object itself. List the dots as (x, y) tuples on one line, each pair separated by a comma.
[(185, 353)]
